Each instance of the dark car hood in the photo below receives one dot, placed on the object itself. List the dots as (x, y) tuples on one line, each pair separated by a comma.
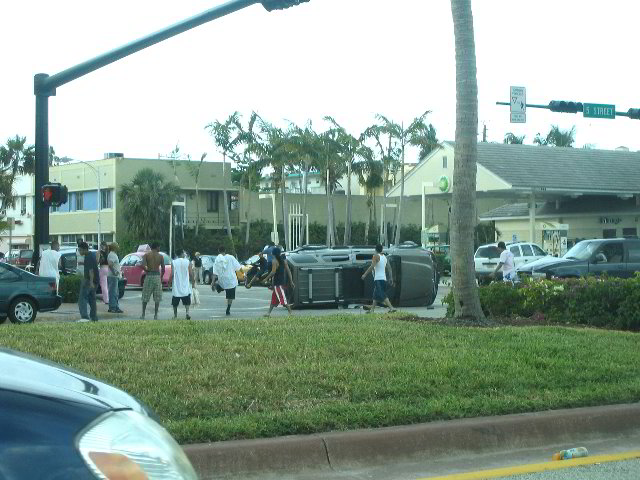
[(544, 262), (36, 376)]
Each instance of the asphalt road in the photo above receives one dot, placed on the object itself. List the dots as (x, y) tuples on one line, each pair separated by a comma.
[(249, 303)]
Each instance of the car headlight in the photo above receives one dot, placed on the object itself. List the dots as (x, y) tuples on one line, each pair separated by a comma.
[(127, 445)]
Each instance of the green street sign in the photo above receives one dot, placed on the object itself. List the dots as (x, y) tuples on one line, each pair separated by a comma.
[(599, 110)]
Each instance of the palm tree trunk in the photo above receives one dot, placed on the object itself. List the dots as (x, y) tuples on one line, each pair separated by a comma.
[(396, 241), (227, 221), (465, 290), (248, 213), (197, 208), (347, 224), (285, 223), (304, 205)]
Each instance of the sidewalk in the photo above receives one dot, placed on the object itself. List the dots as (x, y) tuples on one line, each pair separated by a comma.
[(68, 312), (336, 454)]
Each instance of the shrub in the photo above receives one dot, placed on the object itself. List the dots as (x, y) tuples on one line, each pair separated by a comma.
[(69, 288)]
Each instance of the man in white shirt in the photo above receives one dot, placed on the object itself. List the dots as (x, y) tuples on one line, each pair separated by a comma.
[(50, 263), (224, 271), (182, 273), (506, 263)]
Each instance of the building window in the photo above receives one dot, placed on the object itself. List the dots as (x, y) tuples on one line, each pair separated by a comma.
[(630, 232), (79, 197), (106, 198), (233, 200), (23, 205), (444, 162), (212, 201), (609, 233)]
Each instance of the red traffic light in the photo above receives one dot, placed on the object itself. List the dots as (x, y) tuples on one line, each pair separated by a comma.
[(47, 194)]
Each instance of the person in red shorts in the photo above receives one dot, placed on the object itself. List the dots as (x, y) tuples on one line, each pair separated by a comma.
[(278, 268)]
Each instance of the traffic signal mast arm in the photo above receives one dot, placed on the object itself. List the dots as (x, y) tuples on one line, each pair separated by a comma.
[(575, 107)]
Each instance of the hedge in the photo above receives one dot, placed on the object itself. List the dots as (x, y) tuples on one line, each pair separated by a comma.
[(593, 301), (69, 288)]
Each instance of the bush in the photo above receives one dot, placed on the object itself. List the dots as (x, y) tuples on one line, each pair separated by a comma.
[(592, 301), (69, 288)]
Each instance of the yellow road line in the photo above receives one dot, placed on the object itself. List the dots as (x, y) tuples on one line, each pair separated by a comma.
[(537, 467)]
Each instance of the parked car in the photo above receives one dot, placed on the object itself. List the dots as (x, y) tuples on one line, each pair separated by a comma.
[(60, 423), (617, 257), (69, 265), (22, 259), (134, 274), (487, 257), (23, 294)]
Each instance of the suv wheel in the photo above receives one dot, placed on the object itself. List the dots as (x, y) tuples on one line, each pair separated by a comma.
[(22, 310)]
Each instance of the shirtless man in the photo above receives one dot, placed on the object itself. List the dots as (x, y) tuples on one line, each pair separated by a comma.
[(153, 265)]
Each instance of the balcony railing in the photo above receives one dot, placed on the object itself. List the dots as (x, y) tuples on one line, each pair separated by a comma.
[(213, 219)]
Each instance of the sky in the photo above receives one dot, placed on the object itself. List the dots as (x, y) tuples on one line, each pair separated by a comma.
[(351, 59)]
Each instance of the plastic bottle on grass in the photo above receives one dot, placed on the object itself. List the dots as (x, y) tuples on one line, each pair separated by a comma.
[(571, 453)]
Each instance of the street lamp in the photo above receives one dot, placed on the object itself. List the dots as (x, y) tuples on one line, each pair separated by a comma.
[(44, 86), (173, 204), (95, 170)]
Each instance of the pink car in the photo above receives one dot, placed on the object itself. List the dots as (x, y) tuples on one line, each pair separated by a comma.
[(133, 272)]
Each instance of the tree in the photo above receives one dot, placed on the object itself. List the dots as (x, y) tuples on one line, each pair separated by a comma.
[(557, 137), (15, 158), (463, 210), (223, 135), (414, 134), (249, 168), (334, 168), (194, 171), (146, 204), (389, 159), (351, 147), (513, 139), (370, 176)]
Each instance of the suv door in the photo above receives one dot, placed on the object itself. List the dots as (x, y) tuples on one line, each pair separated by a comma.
[(609, 259), (518, 260), (633, 258)]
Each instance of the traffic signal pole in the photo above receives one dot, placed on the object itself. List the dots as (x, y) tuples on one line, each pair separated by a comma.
[(45, 87)]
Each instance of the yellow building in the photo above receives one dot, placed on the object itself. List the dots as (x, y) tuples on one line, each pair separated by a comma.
[(533, 192), (79, 217)]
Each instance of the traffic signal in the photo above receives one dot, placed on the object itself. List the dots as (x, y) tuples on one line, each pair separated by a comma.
[(54, 194), (634, 113), (566, 107)]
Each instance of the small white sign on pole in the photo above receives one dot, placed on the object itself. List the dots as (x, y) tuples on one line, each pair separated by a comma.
[(518, 104)]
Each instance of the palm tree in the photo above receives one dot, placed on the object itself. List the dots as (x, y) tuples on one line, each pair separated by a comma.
[(15, 158), (334, 167), (351, 147), (223, 135), (389, 159), (557, 137), (251, 169), (146, 203), (194, 171), (513, 139), (370, 176), (412, 135), (463, 220)]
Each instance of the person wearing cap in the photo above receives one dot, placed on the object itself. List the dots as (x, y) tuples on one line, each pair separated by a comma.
[(506, 263), (113, 277)]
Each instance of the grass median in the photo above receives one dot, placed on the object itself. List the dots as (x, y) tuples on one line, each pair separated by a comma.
[(233, 379)]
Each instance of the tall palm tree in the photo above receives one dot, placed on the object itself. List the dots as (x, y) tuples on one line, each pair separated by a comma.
[(334, 167), (249, 138), (557, 137), (15, 158), (513, 139), (194, 171), (146, 203), (351, 148), (370, 176), (226, 138), (463, 209), (414, 132)]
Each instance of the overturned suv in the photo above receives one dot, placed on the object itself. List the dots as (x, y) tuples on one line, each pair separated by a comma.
[(616, 257), (325, 276)]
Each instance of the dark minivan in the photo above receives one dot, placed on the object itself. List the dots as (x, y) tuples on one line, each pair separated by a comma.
[(616, 257)]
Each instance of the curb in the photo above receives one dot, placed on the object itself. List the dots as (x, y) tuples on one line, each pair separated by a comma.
[(369, 447)]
